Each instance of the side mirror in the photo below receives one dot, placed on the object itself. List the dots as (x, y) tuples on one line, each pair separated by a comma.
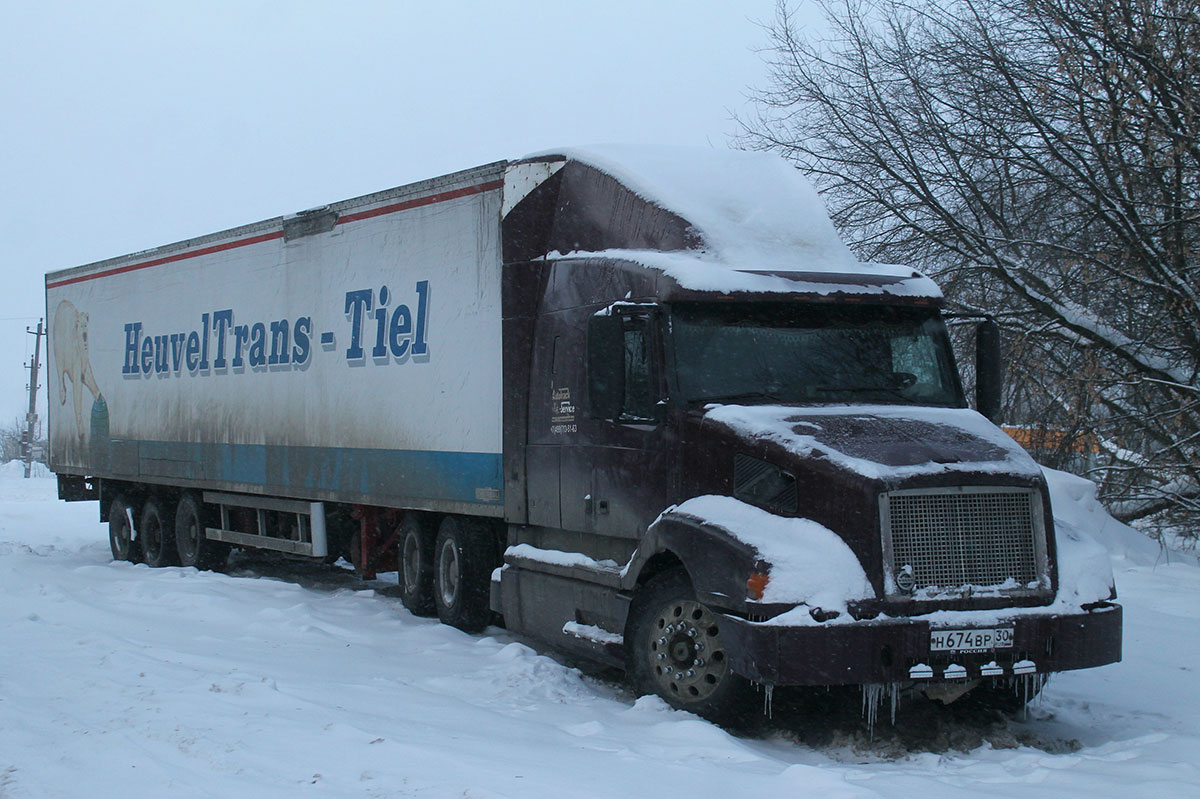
[(989, 370), (605, 366)]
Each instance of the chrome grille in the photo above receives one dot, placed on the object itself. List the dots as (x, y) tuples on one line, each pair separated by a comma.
[(952, 539)]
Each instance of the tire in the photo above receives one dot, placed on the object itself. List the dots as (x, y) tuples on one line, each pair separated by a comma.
[(464, 555), (415, 559), (191, 517), (121, 540), (673, 648), (157, 535)]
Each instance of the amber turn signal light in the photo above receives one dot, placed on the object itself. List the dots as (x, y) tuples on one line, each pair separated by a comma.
[(756, 583)]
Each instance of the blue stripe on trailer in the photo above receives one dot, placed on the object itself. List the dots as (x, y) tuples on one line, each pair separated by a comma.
[(358, 474)]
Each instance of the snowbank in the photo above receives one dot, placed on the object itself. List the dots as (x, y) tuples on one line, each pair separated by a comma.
[(1080, 515), (15, 468), (121, 680)]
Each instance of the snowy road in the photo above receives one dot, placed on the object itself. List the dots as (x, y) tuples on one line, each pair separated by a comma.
[(122, 680)]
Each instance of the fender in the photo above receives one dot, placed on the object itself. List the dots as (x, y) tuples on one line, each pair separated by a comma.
[(717, 562), (723, 541)]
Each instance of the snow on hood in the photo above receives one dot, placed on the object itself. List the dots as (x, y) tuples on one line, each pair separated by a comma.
[(753, 211), (810, 564), (883, 441)]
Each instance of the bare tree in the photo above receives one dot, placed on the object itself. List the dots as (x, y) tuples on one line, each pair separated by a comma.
[(1042, 158), (13, 442)]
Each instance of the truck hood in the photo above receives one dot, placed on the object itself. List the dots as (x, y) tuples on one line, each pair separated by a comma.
[(883, 442)]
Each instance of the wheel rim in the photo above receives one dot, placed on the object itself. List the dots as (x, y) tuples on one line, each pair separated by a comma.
[(120, 537), (687, 658), (448, 573), (410, 560)]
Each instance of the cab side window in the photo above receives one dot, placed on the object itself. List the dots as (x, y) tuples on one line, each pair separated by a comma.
[(640, 380)]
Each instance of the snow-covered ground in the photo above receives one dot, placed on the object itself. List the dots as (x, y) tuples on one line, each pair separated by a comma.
[(120, 680)]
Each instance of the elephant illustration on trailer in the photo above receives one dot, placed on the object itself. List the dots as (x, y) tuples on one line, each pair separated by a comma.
[(71, 359)]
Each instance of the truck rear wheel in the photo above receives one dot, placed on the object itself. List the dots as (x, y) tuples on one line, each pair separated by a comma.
[(673, 648), (416, 565), (158, 539), (194, 548), (463, 558), (120, 531)]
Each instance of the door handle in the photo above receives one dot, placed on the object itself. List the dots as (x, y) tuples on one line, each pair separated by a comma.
[(595, 506)]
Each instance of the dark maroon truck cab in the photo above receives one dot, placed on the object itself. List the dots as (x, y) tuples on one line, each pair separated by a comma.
[(654, 414)]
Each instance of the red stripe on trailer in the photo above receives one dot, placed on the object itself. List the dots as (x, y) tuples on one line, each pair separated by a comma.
[(453, 194), (431, 199), (228, 245)]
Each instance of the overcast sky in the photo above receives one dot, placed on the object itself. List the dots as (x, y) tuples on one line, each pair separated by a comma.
[(127, 125)]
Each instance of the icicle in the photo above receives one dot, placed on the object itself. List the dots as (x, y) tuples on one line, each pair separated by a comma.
[(768, 698), (872, 696)]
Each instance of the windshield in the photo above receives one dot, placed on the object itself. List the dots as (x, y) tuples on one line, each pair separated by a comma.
[(810, 354)]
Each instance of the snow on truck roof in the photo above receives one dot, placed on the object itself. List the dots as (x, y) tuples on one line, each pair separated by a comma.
[(763, 226), (743, 222)]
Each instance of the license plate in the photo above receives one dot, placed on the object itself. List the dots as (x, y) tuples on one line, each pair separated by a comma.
[(978, 640)]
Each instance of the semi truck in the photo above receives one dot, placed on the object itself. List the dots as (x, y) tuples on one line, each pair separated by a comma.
[(640, 404)]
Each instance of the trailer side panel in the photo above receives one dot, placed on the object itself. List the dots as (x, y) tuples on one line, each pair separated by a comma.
[(352, 354)]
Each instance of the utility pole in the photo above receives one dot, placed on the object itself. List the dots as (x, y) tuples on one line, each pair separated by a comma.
[(27, 441)]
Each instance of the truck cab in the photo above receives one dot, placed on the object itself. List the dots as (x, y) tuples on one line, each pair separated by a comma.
[(760, 471)]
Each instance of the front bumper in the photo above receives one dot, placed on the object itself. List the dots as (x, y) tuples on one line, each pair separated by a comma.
[(894, 650)]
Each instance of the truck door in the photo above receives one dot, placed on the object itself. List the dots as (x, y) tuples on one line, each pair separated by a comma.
[(617, 474)]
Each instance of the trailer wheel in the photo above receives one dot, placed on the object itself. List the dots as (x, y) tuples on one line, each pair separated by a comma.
[(194, 548), (415, 556), (463, 558), (158, 540), (673, 648), (120, 531)]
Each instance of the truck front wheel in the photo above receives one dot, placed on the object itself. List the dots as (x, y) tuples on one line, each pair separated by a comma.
[(120, 531), (463, 560), (674, 649)]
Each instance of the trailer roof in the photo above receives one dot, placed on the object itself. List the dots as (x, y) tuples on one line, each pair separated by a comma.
[(479, 179)]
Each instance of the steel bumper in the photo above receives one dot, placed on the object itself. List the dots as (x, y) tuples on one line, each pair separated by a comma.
[(896, 650)]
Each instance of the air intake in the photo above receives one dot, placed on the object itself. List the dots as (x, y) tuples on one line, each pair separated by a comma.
[(763, 484)]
